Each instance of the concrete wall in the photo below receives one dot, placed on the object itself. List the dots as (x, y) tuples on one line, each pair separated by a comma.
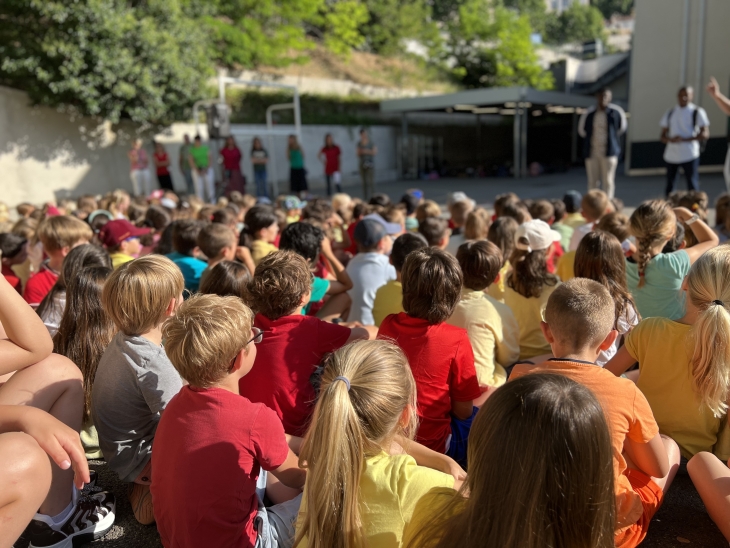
[(656, 71), (46, 155)]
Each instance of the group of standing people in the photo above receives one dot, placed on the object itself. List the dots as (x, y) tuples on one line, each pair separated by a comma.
[(196, 166), (685, 131)]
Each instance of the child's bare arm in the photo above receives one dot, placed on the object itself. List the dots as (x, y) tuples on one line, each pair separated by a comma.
[(342, 281), (362, 333), (28, 341), (289, 473), (650, 458), (429, 458), (462, 409), (295, 443), (620, 362)]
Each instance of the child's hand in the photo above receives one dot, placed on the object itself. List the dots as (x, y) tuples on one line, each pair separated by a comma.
[(452, 468), (683, 214), (60, 442)]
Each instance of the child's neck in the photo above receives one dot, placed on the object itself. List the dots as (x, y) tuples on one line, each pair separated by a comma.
[(55, 263), (398, 276), (690, 314), (229, 383), (154, 335), (584, 354)]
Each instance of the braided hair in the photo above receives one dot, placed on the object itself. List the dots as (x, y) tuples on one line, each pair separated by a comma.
[(652, 223)]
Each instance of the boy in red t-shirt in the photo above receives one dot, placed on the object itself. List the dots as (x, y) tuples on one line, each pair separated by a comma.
[(211, 443), (59, 235), (440, 354)]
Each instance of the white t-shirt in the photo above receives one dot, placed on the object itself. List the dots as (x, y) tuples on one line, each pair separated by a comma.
[(368, 272), (599, 136), (624, 324), (681, 126), (578, 235)]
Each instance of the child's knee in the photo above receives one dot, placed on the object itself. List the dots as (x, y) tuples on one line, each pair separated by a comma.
[(673, 453), (62, 369), (21, 455)]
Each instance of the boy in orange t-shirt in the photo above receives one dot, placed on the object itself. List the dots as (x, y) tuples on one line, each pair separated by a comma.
[(579, 320)]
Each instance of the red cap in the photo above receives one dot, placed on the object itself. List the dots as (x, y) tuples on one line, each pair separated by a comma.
[(115, 232)]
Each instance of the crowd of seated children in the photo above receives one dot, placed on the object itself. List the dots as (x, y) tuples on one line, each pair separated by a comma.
[(135, 379), (440, 355), (186, 251), (122, 240), (218, 243)]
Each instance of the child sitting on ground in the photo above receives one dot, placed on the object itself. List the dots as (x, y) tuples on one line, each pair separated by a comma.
[(594, 205), (389, 297), (502, 234), (547, 415), (208, 430), (559, 225), (440, 355), (529, 284), (436, 231), (370, 268), (579, 321), (185, 255), (135, 380), (218, 243), (59, 235), (225, 279), (360, 491), (655, 278), (573, 217), (544, 211), (262, 227), (294, 344), (14, 251), (684, 365), (121, 240), (459, 212), (491, 325)]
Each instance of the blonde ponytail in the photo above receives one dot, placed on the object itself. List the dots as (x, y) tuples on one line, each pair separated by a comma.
[(651, 223), (710, 294), (365, 388)]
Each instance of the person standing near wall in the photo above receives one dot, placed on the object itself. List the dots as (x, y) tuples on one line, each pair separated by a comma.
[(683, 128), (330, 157), (601, 126), (184, 161), (162, 166), (366, 152), (259, 159), (139, 171), (724, 104), (203, 176), (297, 174), (232, 176)]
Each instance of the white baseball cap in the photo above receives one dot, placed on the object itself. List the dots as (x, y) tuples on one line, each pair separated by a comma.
[(538, 234)]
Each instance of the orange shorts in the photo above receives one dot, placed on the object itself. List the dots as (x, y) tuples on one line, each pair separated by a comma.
[(651, 497)]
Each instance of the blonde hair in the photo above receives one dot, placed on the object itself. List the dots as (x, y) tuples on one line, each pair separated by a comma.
[(62, 231), (138, 293), (594, 204), (477, 224), (205, 335), (710, 293), (426, 209), (652, 223), (351, 423)]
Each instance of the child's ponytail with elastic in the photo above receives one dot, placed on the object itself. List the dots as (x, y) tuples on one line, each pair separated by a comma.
[(365, 388), (710, 293), (651, 223)]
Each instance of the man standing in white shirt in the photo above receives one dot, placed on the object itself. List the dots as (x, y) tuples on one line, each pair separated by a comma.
[(684, 127), (601, 126)]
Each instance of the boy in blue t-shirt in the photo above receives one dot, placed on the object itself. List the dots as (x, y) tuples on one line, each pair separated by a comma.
[(185, 243)]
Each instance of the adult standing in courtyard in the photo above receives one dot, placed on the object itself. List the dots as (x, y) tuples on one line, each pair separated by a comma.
[(330, 157), (202, 168), (724, 104), (232, 177), (162, 167), (601, 127), (366, 152), (259, 159), (139, 168), (684, 127), (184, 160)]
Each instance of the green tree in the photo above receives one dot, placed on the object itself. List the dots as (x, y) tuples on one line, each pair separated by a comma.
[(609, 7), (536, 10), (104, 58), (492, 47), (576, 24), (391, 22)]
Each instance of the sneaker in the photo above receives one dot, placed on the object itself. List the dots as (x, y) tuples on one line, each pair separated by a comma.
[(91, 518), (141, 500)]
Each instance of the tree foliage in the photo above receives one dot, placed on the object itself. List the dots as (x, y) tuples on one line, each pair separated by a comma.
[(391, 22), (609, 7), (576, 24)]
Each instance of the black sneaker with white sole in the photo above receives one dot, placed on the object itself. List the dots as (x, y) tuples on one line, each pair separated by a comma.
[(91, 518)]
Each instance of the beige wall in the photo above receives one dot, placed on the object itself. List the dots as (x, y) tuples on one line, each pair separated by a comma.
[(656, 63)]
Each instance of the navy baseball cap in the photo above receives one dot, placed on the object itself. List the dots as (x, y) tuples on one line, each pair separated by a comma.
[(572, 201)]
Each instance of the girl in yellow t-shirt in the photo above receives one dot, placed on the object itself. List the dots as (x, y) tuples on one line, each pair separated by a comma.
[(362, 487), (684, 365), (539, 474)]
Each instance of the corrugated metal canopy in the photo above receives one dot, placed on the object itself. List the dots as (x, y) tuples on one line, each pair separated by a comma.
[(484, 101)]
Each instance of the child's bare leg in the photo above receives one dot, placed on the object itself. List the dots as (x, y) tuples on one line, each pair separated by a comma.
[(673, 456), (711, 478), (25, 478), (335, 307), (53, 385)]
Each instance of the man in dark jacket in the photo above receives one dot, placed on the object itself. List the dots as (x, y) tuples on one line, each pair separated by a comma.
[(601, 126)]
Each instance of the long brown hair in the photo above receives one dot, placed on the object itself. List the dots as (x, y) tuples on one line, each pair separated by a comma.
[(599, 257), (651, 223), (511, 499), (86, 329), (366, 387), (529, 272)]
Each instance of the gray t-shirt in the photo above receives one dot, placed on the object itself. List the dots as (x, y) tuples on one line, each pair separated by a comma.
[(134, 383)]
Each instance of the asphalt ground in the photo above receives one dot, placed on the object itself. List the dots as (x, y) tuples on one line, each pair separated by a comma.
[(681, 522)]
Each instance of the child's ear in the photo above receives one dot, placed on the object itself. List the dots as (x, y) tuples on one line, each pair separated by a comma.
[(170, 311), (684, 286), (545, 328), (305, 298), (405, 417), (65, 250), (683, 244), (196, 251), (609, 340), (497, 279), (238, 361)]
